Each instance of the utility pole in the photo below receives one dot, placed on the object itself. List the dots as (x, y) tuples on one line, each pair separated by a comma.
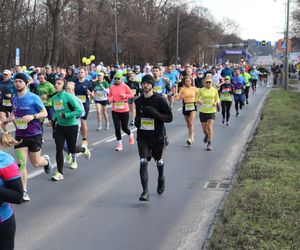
[(116, 35), (177, 37), (286, 61)]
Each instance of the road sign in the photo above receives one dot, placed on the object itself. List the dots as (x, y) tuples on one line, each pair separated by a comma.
[(18, 53)]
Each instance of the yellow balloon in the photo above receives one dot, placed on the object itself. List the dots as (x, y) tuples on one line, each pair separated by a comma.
[(92, 57), (24, 68), (88, 61), (84, 59)]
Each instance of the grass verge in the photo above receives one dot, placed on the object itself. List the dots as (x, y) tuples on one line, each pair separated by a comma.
[(262, 210)]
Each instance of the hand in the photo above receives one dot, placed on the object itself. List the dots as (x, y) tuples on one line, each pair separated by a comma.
[(28, 118), (123, 96), (200, 102), (88, 92), (62, 115), (8, 95)]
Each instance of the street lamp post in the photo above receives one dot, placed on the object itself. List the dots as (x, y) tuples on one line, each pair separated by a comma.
[(286, 61), (177, 37), (116, 34)]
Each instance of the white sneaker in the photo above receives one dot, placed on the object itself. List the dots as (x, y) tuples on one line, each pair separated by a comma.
[(99, 128), (57, 177), (26, 196), (107, 126)]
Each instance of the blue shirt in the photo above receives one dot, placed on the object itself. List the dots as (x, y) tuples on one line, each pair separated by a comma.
[(172, 77), (81, 89)]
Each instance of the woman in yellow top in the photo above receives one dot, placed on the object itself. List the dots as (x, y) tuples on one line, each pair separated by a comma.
[(209, 101), (188, 95)]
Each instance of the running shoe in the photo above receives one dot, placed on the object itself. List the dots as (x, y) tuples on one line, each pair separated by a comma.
[(132, 123), (166, 141), (237, 114), (227, 124), (49, 166), (247, 102), (87, 153), (99, 128), (205, 140), (161, 185), (68, 159), (107, 126), (131, 139), (144, 196), (209, 146), (119, 147), (73, 165), (223, 121), (189, 141), (26, 196), (57, 176), (193, 138)]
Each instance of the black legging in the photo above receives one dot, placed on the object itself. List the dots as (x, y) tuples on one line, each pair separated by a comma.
[(7, 233), (236, 104), (120, 119), (246, 91), (62, 133), (226, 105)]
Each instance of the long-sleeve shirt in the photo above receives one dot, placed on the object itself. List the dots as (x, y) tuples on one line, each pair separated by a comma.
[(120, 104), (66, 104)]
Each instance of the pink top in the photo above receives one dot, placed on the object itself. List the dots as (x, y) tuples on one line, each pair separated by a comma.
[(119, 103)]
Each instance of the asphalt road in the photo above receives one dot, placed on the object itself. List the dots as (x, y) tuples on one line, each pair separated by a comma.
[(97, 207)]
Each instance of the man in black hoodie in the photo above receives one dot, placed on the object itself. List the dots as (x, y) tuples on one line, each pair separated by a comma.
[(152, 111), (70, 74)]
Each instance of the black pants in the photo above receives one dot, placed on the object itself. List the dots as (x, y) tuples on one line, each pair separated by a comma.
[(120, 119), (246, 91), (226, 105), (62, 133), (7, 234)]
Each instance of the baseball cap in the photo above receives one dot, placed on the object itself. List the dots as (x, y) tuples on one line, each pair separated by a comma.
[(48, 66), (227, 77), (6, 72)]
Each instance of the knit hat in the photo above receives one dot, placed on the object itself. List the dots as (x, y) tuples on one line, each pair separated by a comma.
[(22, 77), (118, 75), (148, 79)]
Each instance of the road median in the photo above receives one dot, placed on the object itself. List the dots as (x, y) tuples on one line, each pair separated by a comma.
[(262, 210)]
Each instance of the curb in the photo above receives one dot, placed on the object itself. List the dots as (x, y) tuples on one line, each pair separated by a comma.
[(236, 165)]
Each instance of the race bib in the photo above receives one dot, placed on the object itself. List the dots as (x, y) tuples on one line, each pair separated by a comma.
[(133, 91), (6, 103), (147, 124), (119, 105), (100, 96), (20, 123), (189, 106), (158, 89), (82, 98), (208, 104), (238, 91), (58, 105)]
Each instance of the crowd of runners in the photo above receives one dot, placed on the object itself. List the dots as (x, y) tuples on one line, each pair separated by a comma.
[(138, 96)]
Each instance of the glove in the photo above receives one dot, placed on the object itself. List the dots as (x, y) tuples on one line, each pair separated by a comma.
[(151, 112), (7, 140)]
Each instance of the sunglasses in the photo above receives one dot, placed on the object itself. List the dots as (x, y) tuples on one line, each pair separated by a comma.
[(118, 78), (208, 82)]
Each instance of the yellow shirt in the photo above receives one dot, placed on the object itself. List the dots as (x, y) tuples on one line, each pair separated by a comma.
[(209, 98), (188, 95)]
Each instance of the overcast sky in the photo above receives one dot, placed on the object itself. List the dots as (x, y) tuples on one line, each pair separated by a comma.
[(258, 19)]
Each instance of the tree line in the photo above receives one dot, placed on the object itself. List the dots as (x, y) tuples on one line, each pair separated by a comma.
[(61, 32)]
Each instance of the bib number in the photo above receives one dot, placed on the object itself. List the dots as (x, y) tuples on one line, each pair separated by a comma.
[(147, 124), (6, 103), (58, 105), (238, 91), (119, 105), (20, 123), (100, 96), (158, 89), (189, 106), (82, 98)]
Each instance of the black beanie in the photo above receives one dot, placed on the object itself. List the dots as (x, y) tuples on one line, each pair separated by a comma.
[(148, 79), (21, 76)]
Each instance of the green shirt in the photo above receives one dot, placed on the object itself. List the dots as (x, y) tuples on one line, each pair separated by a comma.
[(247, 77), (45, 89), (67, 104)]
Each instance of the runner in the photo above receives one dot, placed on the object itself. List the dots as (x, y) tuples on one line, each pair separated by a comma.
[(83, 90), (28, 109), (188, 95), (152, 112), (119, 93), (11, 191), (135, 89), (208, 99), (172, 76), (7, 91), (45, 90), (254, 73), (247, 77), (67, 110), (101, 100), (238, 83), (226, 91)]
